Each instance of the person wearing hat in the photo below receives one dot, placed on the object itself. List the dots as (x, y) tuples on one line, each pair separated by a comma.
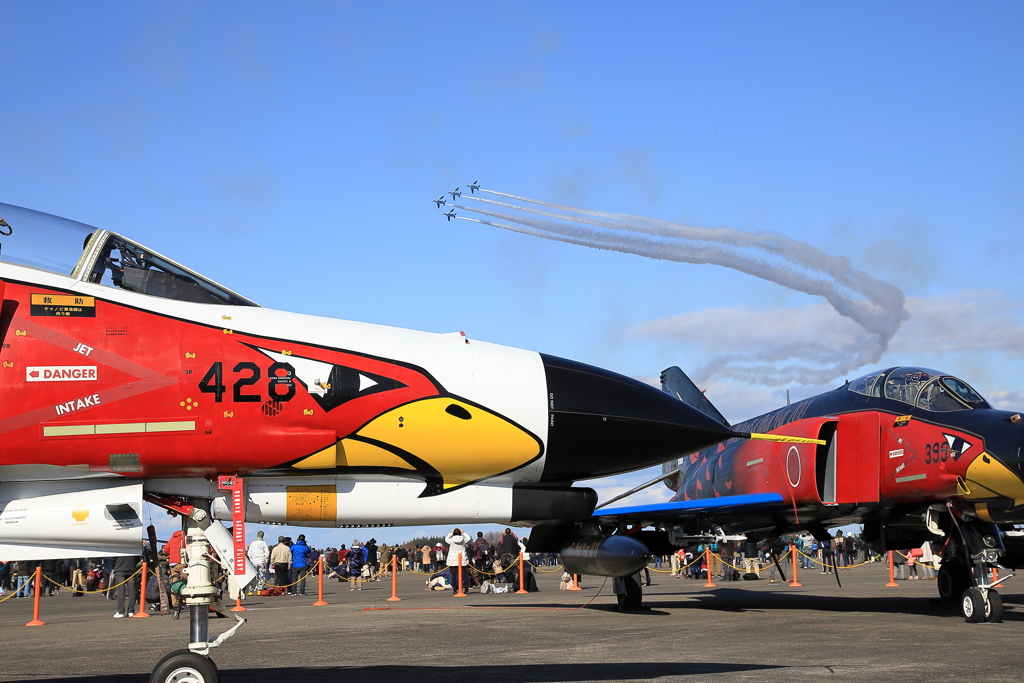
[(281, 558), (259, 555), (300, 560)]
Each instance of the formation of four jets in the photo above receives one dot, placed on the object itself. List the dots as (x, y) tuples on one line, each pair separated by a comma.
[(440, 201)]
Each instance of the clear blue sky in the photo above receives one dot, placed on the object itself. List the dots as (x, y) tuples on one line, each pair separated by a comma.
[(291, 150)]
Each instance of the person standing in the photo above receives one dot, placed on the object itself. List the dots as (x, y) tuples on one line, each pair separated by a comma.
[(373, 556), (438, 556), (24, 569), (509, 544), (425, 559), (458, 550), (356, 562), (259, 555), (300, 560), (481, 552), (281, 559), (127, 588)]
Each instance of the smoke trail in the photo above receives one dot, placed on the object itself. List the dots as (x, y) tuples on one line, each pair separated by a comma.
[(875, 305)]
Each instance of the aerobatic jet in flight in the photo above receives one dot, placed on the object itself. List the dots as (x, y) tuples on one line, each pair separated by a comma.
[(914, 455), (439, 201), (450, 214), (473, 187), (455, 194), (129, 377)]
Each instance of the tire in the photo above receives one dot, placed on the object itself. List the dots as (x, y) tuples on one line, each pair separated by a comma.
[(972, 606), (994, 613), (182, 666), (953, 580)]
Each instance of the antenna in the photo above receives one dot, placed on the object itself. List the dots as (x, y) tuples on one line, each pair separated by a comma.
[(787, 397)]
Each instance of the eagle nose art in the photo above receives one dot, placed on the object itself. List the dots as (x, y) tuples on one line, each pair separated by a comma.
[(460, 441)]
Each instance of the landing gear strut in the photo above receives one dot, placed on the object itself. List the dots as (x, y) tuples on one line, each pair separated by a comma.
[(194, 664), (966, 574)]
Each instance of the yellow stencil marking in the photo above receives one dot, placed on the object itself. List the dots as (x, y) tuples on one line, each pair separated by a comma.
[(311, 503)]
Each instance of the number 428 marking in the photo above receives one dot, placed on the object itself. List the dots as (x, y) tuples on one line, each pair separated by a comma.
[(280, 382)]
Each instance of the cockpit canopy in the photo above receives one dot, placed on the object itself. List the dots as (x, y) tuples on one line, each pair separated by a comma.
[(62, 246), (920, 387)]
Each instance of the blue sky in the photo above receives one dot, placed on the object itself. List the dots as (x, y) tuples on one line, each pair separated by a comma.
[(291, 150)]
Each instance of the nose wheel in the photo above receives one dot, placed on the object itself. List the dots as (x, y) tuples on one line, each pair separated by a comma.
[(183, 666), (978, 606)]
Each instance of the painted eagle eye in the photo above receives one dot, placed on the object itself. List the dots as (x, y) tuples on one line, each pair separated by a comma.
[(345, 384)]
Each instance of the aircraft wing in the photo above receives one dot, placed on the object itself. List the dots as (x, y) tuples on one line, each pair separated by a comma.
[(747, 502)]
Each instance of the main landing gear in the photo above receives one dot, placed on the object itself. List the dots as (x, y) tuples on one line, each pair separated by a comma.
[(970, 564), (194, 664)]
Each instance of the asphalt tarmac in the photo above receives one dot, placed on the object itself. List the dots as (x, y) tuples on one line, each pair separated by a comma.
[(737, 631)]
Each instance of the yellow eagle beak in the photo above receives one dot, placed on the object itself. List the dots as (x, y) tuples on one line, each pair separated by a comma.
[(988, 478), (440, 437)]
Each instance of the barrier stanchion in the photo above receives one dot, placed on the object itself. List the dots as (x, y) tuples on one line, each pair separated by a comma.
[(319, 582), (141, 612), (794, 583), (575, 583), (461, 593), (522, 577), (892, 578), (707, 563), (35, 607), (394, 580)]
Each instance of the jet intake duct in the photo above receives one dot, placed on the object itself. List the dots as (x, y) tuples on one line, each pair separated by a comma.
[(552, 503), (613, 556)]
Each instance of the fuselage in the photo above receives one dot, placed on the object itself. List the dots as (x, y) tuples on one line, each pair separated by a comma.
[(120, 366), (883, 456)]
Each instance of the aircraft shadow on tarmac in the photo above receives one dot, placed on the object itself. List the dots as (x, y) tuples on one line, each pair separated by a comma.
[(737, 600), (544, 673)]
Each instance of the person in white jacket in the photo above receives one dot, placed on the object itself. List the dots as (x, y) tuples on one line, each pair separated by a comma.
[(259, 555), (459, 544)]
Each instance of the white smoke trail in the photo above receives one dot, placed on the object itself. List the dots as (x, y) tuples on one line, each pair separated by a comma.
[(875, 305)]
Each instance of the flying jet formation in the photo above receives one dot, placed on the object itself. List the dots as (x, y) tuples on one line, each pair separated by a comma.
[(450, 214), (455, 194), (473, 187), (129, 377), (912, 454), (440, 201)]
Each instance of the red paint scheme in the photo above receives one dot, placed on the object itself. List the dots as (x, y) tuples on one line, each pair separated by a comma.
[(865, 472), (149, 369)]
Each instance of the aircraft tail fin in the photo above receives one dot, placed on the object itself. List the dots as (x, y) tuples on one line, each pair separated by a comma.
[(674, 381)]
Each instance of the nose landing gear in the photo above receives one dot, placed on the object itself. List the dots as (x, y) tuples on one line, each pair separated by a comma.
[(194, 664), (967, 573)]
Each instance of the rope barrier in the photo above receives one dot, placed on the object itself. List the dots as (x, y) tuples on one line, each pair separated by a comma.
[(331, 572), (82, 590), (918, 562), (544, 571), (820, 561)]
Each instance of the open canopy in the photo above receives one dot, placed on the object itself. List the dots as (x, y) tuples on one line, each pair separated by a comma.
[(40, 240)]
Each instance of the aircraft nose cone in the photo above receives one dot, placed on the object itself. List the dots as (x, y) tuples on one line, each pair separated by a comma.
[(601, 423)]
